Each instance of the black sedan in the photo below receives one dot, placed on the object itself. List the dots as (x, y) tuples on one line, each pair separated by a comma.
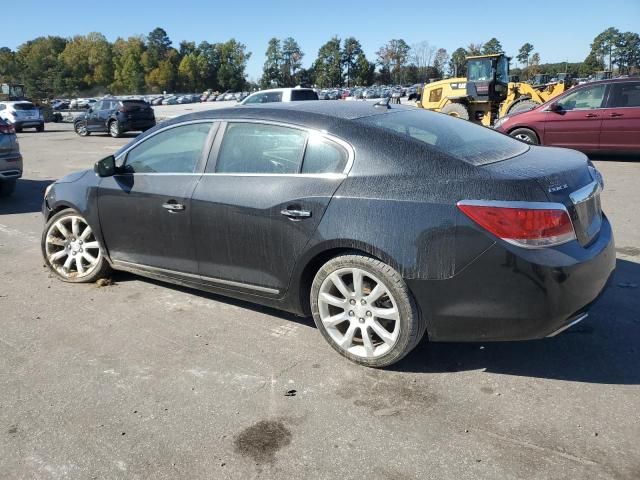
[(383, 223)]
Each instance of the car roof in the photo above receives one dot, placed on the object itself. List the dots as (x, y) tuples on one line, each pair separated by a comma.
[(283, 89), (612, 80), (14, 102)]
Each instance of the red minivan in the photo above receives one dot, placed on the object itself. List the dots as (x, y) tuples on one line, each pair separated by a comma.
[(599, 116)]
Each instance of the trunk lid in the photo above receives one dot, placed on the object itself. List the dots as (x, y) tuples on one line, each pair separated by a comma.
[(567, 178)]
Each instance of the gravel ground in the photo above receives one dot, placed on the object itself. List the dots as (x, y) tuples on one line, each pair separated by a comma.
[(145, 380)]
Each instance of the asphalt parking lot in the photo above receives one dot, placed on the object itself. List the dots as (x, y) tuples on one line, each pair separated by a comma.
[(145, 380)]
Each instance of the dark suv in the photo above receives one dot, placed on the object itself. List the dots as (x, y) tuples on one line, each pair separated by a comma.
[(115, 117)]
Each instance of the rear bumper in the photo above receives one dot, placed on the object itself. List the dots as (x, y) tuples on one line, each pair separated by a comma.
[(137, 124), (509, 293), (10, 167), (28, 124)]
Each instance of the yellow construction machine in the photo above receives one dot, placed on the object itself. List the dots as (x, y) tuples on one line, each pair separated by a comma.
[(486, 94)]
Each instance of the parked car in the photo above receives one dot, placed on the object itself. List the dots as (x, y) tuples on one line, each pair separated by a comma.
[(212, 97), (172, 100), (115, 117), (10, 159), (382, 223), (593, 117), (22, 114), (280, 95), (157, 101)]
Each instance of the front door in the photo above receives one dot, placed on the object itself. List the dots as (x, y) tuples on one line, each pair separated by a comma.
[(577, 122), (145, 209), (261, 201), (621, 118)]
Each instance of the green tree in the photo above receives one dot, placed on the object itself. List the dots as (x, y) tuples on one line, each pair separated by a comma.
[(605, 44), (474, 49), (272, 68), (233, 62), (393, 56), (591, 65), (8, 65), (627, 52), (88, 60), (440, 61), (524, 54), (364, 71), (492, 46), (291, 61), (40, 68), (128, 74), (158, 44), (328, 66), (351, 51), (458, 62), (164, 76)]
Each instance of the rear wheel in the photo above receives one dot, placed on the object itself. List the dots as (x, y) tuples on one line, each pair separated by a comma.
[(457, 110), (7, 187), (525, 135), (523, 106), (71, 250), (114, 129), (365, 311)]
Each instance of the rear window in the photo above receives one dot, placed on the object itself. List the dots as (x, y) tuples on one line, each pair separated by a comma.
[(458, 138), (134, 104), (297, 95), (24, 106)]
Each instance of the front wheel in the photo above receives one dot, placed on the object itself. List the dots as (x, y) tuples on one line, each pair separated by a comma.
[(71, 250), (525, 135), (81, 129), (457, 110), (7, 187), (40, 128), (365, 311)]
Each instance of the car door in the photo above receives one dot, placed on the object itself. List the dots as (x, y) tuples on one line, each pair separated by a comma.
[(145, 209), (103, 113), (621, 118), (93, 124), (258, 204), (577, 121)]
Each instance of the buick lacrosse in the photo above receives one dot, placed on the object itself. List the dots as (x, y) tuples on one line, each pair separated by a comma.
[(383, 223)]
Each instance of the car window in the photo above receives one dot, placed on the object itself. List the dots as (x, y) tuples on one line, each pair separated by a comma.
[(455, 137), (175, 150), (625, 95), (298, 95), (585, 98), (260, 148), (323, 156), (96, 106), (24, 106), (257, 98)]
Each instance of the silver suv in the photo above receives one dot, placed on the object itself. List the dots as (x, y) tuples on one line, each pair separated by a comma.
[(10, 159), (22, 114), (280, 95)]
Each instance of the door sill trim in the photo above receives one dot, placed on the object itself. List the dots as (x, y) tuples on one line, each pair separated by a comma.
[(215, 281)]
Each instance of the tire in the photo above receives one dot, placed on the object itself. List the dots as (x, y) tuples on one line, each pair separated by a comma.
[(525, 135), (349, 317), (114, 129), (18, 129), (81, 129), (457, 110), (68, 254), (40, 129), (523, 106), (7, 187)]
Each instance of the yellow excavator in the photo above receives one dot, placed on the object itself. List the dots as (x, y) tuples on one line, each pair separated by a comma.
[(486, 93)]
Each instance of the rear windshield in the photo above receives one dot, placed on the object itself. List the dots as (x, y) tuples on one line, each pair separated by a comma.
[(297, 95), (458, 138), (24, 106)]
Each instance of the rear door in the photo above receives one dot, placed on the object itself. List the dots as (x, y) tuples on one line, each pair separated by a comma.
[(621, 118), (145, 209), (578, 121), (259, 202)]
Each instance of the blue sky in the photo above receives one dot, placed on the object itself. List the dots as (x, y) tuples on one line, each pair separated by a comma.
[(560, 30)]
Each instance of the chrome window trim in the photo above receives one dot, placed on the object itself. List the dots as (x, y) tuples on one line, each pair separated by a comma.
[(219, 281)]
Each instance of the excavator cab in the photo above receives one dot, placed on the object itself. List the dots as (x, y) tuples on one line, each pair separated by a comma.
[(541, 79), (487, 77), (10, 92)]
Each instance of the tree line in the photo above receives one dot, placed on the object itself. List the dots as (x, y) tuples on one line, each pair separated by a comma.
[(90, 64)]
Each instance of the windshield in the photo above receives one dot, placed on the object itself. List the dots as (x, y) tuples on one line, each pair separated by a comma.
[(479, 70), (24, 106), (503, 70), (457, 138)]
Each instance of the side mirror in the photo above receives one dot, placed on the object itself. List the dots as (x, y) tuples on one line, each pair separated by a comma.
[(555, 107), (105, 167)]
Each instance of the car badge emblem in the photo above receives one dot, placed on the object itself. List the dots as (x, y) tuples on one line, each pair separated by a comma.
[(557, 188)]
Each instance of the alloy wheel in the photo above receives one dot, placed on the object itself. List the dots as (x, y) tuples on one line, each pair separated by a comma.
[(359, 312), (523, 137), (71, 247)]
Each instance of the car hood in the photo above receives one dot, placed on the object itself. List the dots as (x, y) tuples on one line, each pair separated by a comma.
[(73, 177)]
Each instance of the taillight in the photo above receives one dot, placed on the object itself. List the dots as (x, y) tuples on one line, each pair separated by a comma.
[(526, 224), (7, 129)]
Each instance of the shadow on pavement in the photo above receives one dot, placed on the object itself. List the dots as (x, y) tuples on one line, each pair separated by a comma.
[(602, 349), (27, 197)]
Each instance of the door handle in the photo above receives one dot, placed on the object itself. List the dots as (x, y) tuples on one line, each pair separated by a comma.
[(296, 214), (173, 206), (616, 114), (591, 115)]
